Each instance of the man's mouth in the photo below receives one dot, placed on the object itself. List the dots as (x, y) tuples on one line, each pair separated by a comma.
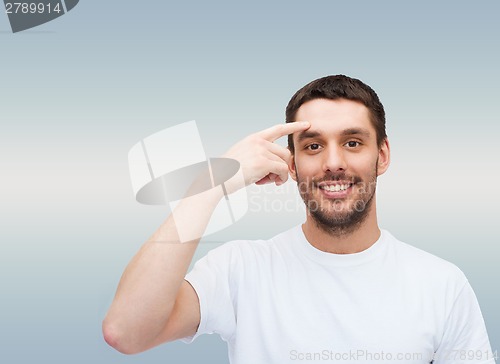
[(335, 187)]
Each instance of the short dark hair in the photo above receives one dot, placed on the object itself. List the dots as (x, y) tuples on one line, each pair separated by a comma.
[(339, 87)]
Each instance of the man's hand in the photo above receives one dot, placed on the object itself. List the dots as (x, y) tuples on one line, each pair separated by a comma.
[(261, 160)]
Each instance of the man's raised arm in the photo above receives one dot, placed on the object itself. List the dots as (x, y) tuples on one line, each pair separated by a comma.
[(153, 303)]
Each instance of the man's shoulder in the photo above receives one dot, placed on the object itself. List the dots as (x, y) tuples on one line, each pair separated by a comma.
[(422, 262)]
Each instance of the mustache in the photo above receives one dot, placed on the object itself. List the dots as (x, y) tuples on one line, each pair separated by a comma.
[(335, 177)]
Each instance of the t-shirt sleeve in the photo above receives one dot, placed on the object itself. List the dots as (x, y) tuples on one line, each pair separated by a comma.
[(211, 279), (465, 339)]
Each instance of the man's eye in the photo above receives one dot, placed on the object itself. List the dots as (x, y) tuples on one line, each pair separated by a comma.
[(352, 144), (313, 146)]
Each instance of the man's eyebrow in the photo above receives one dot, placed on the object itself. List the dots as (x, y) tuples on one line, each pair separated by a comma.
[(355, 131), (308, 134)]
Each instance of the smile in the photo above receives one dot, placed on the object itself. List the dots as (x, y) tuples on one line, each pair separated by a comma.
[(335, 188)]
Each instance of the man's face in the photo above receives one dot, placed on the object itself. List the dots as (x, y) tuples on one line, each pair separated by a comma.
[(336, 162)]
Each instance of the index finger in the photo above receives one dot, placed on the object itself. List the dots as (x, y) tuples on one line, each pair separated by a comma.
[(280, 130)]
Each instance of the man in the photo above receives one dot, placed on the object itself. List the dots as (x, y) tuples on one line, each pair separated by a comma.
[(336, 288)]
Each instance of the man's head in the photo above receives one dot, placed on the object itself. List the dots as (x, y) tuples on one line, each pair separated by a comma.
[(334, 88), (337, 160)]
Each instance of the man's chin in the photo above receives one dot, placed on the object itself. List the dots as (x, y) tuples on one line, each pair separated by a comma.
[(341, 217), (337, 223), (334, 219), (337, 208)]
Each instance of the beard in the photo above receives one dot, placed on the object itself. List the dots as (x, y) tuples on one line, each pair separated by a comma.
[(334, 216)]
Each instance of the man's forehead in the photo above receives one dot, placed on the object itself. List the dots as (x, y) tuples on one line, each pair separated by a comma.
[(335, 117), (323, 108)]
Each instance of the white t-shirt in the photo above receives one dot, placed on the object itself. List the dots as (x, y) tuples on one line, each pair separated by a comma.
[(284, 301)]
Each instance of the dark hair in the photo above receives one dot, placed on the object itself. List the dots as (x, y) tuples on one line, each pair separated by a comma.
[(339, 87)]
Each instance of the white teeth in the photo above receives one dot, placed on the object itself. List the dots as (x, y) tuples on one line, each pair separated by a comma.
[(335, 188)]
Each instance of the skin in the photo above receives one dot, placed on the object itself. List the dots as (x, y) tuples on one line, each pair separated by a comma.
[(341, 143)]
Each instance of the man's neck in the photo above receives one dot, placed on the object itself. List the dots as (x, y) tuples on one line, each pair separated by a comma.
[(352, 242)]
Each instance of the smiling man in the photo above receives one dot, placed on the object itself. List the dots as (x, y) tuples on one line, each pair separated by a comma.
[(336, 288), (336, 163)]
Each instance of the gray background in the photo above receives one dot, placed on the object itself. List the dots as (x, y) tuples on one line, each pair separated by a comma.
[(78, 92)]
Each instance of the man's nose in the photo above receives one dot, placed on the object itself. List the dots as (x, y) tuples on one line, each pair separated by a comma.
[(334, 159)]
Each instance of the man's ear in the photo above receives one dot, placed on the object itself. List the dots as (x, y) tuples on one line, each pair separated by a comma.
[(291, 166), (384, 157)]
